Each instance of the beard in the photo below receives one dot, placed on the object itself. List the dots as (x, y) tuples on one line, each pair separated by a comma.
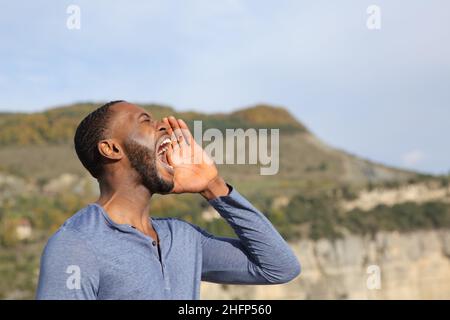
[(143, 160)]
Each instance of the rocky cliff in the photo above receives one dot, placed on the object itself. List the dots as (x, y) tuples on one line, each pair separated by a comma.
[(408, 266)]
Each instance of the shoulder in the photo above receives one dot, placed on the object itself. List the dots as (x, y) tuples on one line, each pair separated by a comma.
[(68, 243), (65, 253), (75, 235), (84, 226), (86, 221)]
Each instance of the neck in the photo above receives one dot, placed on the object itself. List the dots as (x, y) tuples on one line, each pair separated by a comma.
[(126, 202)]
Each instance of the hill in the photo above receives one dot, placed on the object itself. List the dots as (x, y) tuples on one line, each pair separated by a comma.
[(39, 146)]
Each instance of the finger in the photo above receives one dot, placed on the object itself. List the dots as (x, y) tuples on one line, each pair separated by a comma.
[(173, 123), (169, 156), (186, 132), (167, 123), (175, 130), (195, 150), (170, 132), (180, 138)]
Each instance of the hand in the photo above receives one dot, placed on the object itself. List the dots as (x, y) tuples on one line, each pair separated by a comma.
[(194, 170)]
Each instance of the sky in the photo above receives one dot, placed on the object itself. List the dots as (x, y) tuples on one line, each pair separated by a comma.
[(382, 94)]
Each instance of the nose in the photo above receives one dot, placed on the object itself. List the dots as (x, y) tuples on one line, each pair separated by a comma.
[(162, 126)]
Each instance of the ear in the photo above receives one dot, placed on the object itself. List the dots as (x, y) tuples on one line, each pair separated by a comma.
[(110, 149)]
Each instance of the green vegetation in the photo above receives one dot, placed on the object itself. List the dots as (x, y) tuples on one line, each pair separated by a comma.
[(320, 217), (404, 217), (57, 126)]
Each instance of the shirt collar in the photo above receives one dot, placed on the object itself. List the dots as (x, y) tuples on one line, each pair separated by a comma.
[(128, 228)]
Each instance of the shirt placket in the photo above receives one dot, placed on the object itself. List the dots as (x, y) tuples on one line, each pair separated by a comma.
[(160, 256)]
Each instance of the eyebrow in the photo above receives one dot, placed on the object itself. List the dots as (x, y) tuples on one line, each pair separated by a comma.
[(144, 114)]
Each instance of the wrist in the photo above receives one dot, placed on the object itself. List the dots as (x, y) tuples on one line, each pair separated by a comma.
[(215, 188)]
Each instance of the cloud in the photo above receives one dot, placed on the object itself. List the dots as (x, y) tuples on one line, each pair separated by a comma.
[(413, 158)]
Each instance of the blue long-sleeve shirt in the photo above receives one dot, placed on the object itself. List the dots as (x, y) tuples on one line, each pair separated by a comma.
[(92, 257)]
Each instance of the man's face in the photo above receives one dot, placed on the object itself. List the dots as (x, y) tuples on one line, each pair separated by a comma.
[(145, 142)]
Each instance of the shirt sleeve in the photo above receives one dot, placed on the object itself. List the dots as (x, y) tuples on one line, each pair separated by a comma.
[(69, 269), (258, 256)]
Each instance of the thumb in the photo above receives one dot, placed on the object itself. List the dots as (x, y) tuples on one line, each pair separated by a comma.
[(170, 155)]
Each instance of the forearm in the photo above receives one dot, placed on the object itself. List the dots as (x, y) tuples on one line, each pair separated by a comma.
[(266, 249)]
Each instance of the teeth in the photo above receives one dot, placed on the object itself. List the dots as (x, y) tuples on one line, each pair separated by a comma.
[(165, 142), (163, 150)]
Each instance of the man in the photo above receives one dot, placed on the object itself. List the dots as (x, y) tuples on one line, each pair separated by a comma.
[(112, 249)]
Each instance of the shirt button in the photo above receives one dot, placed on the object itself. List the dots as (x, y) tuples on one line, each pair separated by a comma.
[(154, 242)]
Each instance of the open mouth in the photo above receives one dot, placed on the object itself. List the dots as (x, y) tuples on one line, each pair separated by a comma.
[(161, 153)]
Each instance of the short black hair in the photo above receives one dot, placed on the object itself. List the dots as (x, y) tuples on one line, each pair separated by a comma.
[(89, 132)]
